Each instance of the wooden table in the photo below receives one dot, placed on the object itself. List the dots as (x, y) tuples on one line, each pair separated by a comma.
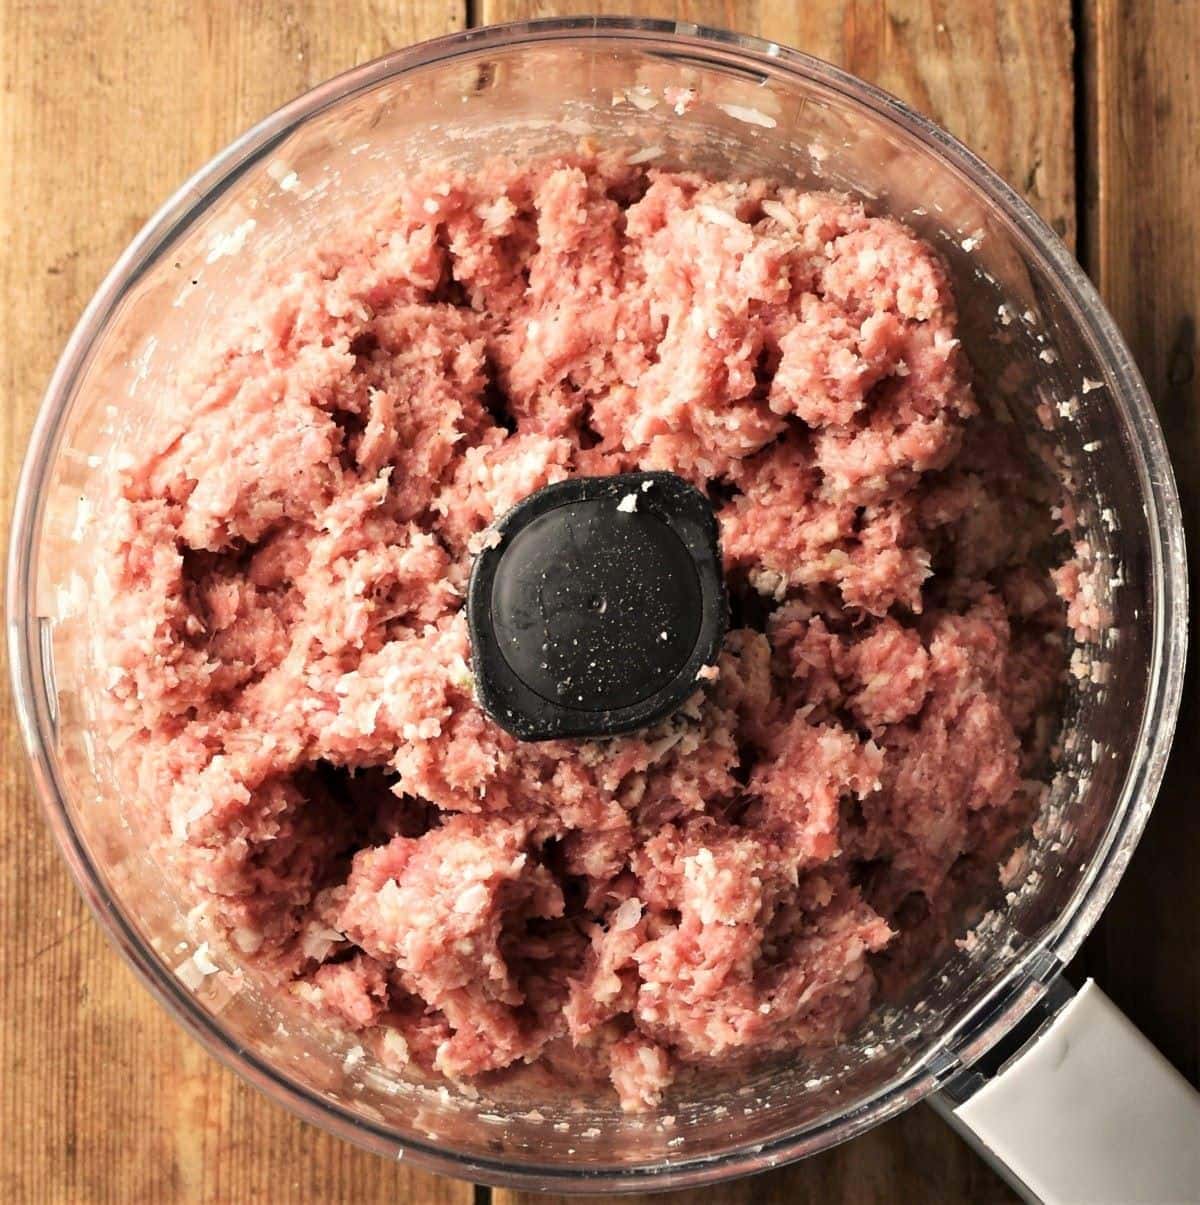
[(1090, 107)]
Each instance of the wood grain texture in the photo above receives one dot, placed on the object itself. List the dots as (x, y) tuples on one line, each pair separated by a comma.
[(1142, 247), (105, 106), (999, 75), (996, 73)]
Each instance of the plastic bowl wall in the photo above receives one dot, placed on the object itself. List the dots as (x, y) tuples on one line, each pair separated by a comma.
[(1038, 337)]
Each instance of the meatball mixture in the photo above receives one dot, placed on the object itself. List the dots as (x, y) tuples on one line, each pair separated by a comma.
[(288, 661)]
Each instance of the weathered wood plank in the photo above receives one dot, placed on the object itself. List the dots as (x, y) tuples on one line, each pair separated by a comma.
[(997, 73), (105, 108), (999, 76), (1142, 164)]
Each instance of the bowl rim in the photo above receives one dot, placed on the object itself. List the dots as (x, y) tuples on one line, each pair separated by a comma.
[(1024, 981)]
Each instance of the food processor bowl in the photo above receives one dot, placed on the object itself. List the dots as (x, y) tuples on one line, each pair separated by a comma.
[(1046, 356)]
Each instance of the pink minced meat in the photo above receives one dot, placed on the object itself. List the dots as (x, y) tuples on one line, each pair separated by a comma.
[(288, 656)]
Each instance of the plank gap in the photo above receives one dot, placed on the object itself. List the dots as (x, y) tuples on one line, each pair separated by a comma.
[(1081, 50)]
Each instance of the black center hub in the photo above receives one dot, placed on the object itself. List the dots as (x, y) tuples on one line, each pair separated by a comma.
[(598, 604)]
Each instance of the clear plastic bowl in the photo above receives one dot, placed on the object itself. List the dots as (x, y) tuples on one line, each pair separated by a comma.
[(761, 108)]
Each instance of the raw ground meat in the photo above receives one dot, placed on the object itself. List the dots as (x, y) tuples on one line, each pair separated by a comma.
[(289, 663)]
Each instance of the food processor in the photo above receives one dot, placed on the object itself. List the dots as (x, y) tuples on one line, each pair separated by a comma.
[(1034, 1074)]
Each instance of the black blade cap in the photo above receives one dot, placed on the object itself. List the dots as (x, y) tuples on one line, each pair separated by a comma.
[(596, 606)]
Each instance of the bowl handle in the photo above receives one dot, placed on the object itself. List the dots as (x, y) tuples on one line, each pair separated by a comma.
[(1087, 1110)]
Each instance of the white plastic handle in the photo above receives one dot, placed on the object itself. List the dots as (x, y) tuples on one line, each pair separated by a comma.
[(1089, 1113)]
